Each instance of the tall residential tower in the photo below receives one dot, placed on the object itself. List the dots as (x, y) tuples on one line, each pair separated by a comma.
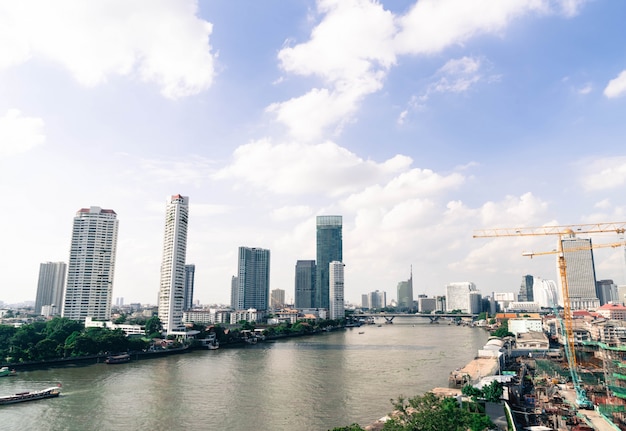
[(89, 288), (50, 287), (172, 287), (253, 280), (305, 283), (329, 249)]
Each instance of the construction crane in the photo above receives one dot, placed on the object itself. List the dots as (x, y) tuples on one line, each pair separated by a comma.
[(566, 323)]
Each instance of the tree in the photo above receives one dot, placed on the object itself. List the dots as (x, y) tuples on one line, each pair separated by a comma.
[(154, 327)]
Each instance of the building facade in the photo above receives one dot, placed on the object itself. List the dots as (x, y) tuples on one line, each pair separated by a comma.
[(277, 299), (377, 299), (253, 279), (172, 285), (336, 293), (305, 283), (458, 296), (50, 287), (329, 249), (606, 291), (91, 268), (580, 272), (526, 292), (405, 293), (190, 277)]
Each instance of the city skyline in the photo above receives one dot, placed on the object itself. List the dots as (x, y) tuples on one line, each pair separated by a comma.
[(417, 121)]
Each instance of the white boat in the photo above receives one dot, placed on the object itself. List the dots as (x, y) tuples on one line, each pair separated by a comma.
[(6, 371)]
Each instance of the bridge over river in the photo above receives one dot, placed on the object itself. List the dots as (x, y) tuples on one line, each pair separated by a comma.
[(433, 317)]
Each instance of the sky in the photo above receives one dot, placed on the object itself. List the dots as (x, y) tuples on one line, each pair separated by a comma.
[(418, 122)]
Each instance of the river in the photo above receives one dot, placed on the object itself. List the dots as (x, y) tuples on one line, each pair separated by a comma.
[(305, 383)]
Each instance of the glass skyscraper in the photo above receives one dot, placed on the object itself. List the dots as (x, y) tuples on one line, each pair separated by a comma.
[(580, 272), (253, 280), (305, 283), (329, 249), (50, 286), (91, 266)]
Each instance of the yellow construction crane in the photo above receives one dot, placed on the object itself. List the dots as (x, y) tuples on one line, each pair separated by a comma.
[(560, 231)]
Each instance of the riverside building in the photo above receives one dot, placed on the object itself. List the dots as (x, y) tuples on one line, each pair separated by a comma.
[(172, 285), (336, 292), (329, 249), (253, 279), (305, 283), (91, 268), (50, 287)]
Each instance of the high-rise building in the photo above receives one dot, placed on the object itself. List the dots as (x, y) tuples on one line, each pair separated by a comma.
[(253, 284), (89, 288), (50, 286), (172, 285), (329, 249), (607, 292), (377, 299), (234, 292), (365, 302), (405, 293), (580, 272), (545, 293), (336, 290), (277, 299), (190, 274), (526, 289), (458, 296), (305, 283)]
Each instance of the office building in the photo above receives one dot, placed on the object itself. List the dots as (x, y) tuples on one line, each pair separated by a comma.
[(606, 291), (277, 299), (580, 272), (458, 296), (365, 301), (253, 280), (526, 289), (336, 308), (91, 268), (234, 291), (377, 299), (50, 287), (329, 249), (190, 275), (545, 293), (405, 293), (172, 285), (305, 283)]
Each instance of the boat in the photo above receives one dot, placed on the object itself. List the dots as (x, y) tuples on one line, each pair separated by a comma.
[(118, 359), (31, 396), (6, 371), (361, 332)]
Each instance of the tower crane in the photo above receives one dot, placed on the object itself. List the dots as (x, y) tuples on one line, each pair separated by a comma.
[(567, 325)]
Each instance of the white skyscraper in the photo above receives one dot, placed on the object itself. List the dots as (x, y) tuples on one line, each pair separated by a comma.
[(336, 295), (580, 272), (172, 287), (91, 268), (458, 296)]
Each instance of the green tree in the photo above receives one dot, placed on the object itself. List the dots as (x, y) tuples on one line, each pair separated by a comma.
[(154, 327), (493, 392)]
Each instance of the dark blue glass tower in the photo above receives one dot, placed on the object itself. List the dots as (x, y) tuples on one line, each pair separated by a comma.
[(329, 249)]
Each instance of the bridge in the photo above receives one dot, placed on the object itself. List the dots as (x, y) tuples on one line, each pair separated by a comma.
[(390, 316)]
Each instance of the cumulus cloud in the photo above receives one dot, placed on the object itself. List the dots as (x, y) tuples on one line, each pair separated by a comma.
[(156, 41), (604, 174), (19, 134), (616, 87), (298, 168)]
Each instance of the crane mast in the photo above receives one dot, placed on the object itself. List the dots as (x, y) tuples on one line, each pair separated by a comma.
[(566, 322)]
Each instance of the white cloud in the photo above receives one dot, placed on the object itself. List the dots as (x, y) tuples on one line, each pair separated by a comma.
[(19, 134), (291, 212), (616, 87), (586, 89), (156, 41), (604, 174), (297, 168)]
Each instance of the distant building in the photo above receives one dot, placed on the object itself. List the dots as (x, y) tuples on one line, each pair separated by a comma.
[(377, 299), (89, 288), (234, 291), (612, 311), (405, 293), (365, 302), (503, 299), (580, 272), (253, 281), (305, 283), (458, 297), (190, 275), (526, 289), (277, 299), (546, 293), (172, 285), (329, 249), (336, 294), (426, 305), (607, 292), (50, 287)]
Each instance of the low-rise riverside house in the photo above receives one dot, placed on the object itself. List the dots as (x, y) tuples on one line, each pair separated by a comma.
[(249, 315), (127, 329), (532, 340), (207, 316)]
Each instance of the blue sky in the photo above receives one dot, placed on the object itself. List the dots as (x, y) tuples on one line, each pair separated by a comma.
[(419, 122)]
